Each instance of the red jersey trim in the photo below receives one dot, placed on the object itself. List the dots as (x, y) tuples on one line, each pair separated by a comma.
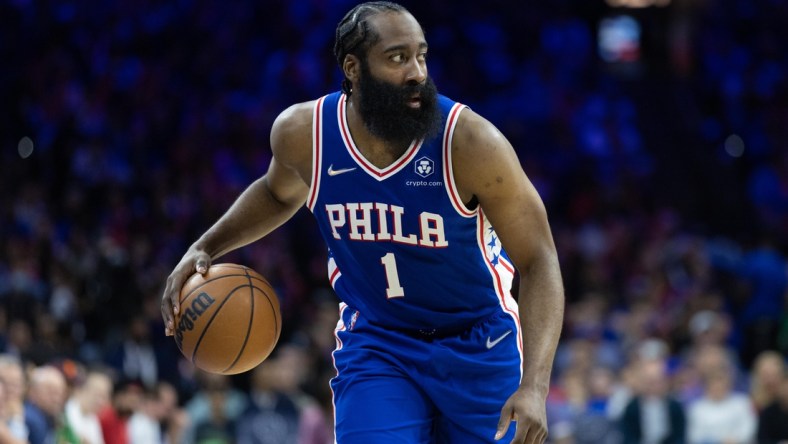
[(448, 169), (317, 160), (378, 173), (507, 302)]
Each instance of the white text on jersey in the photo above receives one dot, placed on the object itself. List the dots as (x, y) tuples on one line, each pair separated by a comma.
[(357, 218)]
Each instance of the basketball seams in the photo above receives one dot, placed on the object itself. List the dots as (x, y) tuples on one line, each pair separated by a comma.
[(210, 320), (221, 304), (277, 320), (244, 279), (224, 276), (277, 329), (248, 326)]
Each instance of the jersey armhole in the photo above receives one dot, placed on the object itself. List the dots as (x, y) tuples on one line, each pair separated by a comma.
[(448, 168), (317, 158)]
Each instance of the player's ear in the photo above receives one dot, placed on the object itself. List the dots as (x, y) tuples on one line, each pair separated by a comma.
[(351, 67)]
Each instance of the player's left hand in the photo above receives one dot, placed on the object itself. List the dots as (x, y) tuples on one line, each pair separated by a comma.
[(527, 407)]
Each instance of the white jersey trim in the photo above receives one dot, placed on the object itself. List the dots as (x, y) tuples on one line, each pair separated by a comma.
[(501, 272), (340, 327), (317, 154), (378, 173), (448, 169), (333, 272)]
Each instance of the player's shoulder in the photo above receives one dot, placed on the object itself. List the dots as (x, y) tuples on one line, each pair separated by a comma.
[(295, 118), (475, 136), (291, 133), (299, 116), (483, 160)]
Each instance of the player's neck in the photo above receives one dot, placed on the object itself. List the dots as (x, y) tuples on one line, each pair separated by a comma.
[(378, 151)]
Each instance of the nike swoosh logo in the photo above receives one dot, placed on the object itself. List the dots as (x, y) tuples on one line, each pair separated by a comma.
[(491, 344), (332, 172)]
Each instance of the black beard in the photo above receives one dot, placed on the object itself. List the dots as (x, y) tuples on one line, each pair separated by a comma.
[(386, 114)]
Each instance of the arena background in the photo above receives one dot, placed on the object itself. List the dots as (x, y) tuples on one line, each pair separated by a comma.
[(655, 130)]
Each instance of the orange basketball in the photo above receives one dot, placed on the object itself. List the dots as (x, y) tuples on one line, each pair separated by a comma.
[(229, 319)]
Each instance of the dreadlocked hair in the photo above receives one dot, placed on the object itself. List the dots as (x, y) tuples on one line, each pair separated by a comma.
[(354, 35)]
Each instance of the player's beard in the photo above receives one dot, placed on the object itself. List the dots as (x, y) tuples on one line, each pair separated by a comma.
[(386, 114)]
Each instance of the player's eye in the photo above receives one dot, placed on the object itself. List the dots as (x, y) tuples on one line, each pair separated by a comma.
[(422, 56), (398, 58)]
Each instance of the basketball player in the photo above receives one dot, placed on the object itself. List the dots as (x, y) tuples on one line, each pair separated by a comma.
[(426, 213)]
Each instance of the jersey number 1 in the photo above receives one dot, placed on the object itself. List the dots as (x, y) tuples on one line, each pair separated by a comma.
[(394, 289)]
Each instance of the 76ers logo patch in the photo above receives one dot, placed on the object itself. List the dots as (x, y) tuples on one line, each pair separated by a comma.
[(424, 166)]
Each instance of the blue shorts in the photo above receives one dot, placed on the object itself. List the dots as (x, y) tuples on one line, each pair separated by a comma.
[(400, 387)]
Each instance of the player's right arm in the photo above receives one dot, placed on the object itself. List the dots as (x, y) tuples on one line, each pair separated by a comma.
[(262, 207)]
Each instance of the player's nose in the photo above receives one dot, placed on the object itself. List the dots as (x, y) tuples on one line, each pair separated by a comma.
[(417, 71)]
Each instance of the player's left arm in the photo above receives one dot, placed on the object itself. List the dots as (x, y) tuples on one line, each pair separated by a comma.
[(486, 166)]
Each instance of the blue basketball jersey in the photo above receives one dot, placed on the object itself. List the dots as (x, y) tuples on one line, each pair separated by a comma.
[(404, 250)]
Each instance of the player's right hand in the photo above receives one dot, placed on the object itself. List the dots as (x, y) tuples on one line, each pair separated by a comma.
[(193, 261)]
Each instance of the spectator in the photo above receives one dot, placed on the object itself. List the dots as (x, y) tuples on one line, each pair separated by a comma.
[(46, 349), (143, 425), (773, 420), (84, 405), (214, 410), (6, 435), (46, 399), (721, 414), (272, 416), (696, 367), (158, 420), (19, 339), (708, 327), (581, 417), (172, 419), (12, 375), (623, 391), (278, 410), (294, 361), (766, 376), (134, 357), (217, 427), (653, 416), (765, 271), (114, 418)]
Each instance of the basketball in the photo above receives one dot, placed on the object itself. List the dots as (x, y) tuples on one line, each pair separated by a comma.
[(229, 319)]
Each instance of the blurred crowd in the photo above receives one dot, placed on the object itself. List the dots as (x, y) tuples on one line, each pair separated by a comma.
[(127, 128)]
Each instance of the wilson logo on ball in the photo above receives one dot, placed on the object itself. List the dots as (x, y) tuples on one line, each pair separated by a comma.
[(190, 315)]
